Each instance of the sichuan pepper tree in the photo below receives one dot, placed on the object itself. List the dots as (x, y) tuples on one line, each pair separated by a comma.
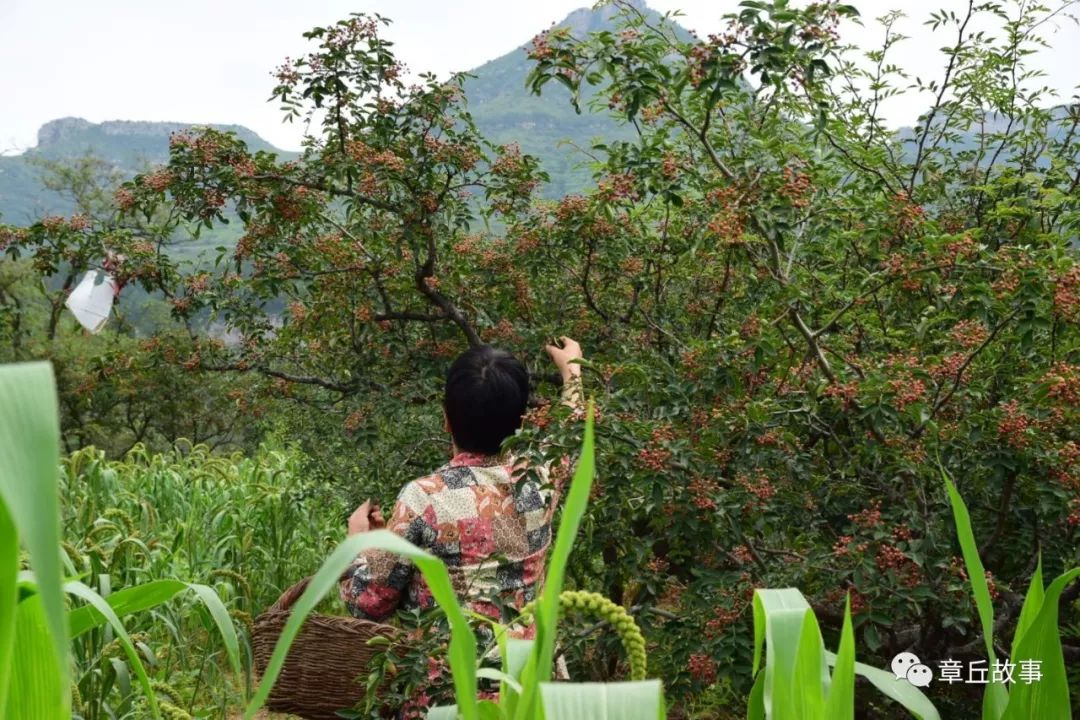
[(127, 384), (344, 290), (811, 308)]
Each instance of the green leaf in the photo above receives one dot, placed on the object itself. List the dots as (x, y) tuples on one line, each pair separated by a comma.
[(224, 624), (778, 624), (149, 595), (9, 574), (1047, 698), (125, 602), (1033, 602), (29, 453), (755, 707), (641, 700), (810, 675), (840, 703), (36, 689), (903, 692), (462, 652), (995, 695), (505, 678), (538, 668), (515, 656), (84, 592)]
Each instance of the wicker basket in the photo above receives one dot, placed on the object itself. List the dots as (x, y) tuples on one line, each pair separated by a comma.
[(326, 666)]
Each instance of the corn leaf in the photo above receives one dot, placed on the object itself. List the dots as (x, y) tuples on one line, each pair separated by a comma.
[(840, 703), (641, 700), (995, 696), (29, 456), (36, 689), (810, 674), (755, 708), (503, 678), (538, 668), (505, 690), (778, 624), (903, 692), (1033, 602), (462, 652), (515, 656), (9, 573), (1048, 697)]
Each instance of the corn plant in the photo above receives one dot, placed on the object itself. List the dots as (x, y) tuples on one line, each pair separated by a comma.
[(795, 683), (525, 692), (36, 623), (1037, 637)]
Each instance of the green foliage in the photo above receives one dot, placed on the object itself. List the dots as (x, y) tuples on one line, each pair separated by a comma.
[(131, 528), (1037, 637), (787, 307), (795, 681)]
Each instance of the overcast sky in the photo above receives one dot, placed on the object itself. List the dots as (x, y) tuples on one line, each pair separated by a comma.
[(209, 61)]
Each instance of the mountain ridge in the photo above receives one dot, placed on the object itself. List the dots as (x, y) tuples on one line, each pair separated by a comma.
[(498, 100)]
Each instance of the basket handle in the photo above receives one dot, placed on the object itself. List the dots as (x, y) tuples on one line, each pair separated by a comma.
[(291, 595)]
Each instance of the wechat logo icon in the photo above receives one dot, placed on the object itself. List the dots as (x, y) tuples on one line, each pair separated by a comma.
[(907, 666)]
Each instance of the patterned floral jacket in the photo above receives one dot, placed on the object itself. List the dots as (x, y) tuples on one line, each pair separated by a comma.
[(491, 530)]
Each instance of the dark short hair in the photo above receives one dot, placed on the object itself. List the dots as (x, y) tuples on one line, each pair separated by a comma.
[(486, 393)]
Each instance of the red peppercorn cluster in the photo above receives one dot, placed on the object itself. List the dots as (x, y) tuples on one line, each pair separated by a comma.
[(742, 555), (618, 186), (759, 487), (353, 422), (905, 214), (1067, 294), (702, 490), (845, 393), (1063, 383), (969, 333), (797, 187), (1014, 424), (869, 518), (907, 391), (1074, 513), (961, 249), (727, 222), (890, 557), (655, 459), (123, 198), (702, 668), (858, 600), (723, 618)]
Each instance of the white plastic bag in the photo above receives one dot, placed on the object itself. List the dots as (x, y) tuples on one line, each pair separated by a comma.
[(92, 299)]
